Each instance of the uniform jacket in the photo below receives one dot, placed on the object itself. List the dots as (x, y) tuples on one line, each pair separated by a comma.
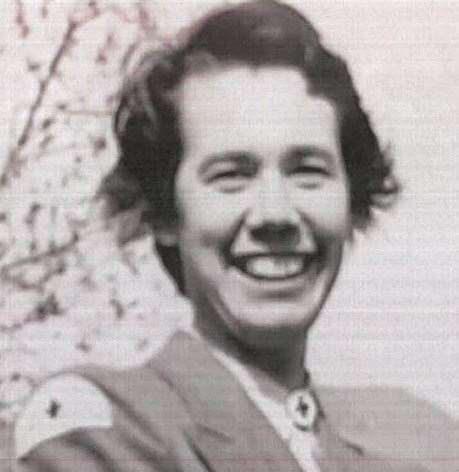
[(184, 412)]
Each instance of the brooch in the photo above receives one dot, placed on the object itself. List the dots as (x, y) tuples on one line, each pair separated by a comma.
[(302, 409)]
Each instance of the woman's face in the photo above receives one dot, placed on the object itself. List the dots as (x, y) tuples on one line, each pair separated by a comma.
[(263, 201)]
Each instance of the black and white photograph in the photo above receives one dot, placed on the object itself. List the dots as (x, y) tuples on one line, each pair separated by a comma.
[(229, 236)]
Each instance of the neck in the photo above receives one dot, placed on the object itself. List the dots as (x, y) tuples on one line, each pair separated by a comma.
[(277, 367)]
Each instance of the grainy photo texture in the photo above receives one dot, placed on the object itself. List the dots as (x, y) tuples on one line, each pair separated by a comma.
[(228, 236)]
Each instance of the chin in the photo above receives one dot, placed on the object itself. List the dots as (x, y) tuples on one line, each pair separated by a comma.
[(270, 323)]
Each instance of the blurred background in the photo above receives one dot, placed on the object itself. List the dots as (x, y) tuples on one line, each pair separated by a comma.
[(69, 294)]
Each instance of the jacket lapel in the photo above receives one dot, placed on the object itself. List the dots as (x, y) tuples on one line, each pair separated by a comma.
[(230, 432)]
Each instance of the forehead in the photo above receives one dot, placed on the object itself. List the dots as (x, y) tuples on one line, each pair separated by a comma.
[(253, 107)]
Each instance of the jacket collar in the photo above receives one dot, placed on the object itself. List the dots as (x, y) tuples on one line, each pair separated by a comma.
[(229, 427), (229, 430)]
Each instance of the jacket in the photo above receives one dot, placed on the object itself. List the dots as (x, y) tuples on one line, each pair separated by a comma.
[(184, 412)]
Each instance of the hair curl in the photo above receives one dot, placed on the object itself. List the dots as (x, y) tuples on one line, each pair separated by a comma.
[(257, 33)]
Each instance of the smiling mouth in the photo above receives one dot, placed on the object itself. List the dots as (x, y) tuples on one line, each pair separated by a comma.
[(273, 267)]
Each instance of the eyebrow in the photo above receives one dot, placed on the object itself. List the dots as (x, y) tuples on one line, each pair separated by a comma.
[(237, 157), (303, 151)]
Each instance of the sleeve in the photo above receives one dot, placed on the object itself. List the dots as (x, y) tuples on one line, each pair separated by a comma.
[(71, 425)]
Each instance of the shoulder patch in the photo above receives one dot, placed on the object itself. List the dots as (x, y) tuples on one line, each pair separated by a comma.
[(61, 405)]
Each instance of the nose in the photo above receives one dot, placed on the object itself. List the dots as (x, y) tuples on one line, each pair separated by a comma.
[(273, 218)]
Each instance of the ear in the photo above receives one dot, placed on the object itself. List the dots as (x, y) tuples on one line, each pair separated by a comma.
[(166, 233)]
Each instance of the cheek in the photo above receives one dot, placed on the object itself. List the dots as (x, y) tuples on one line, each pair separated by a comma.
[(330, 212), (336, 215), (207, 223)]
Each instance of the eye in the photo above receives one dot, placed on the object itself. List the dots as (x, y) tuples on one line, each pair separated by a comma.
[(228, 171), (309, 166), (229, 180), (309, 175), (309, 169)]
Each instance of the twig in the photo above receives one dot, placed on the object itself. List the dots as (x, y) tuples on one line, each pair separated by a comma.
[(21, 20), (53, 252)]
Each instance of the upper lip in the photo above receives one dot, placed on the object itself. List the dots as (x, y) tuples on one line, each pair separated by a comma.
[(248, 255)]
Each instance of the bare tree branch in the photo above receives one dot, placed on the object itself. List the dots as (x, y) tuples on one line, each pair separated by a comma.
[(39, 257), (14, 161)]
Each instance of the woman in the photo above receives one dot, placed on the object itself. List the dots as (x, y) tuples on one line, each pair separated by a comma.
[(248, 142)]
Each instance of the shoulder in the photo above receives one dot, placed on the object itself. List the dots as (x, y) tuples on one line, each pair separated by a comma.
[(376, 402), (59, 406), (94, 399), (392, 422)]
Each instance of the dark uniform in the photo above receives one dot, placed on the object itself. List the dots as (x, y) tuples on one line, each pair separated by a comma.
[(183, 411)]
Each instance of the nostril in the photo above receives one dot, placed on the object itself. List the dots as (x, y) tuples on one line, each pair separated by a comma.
[(271, 232)]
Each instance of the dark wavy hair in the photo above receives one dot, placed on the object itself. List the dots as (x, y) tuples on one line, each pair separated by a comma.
[(256, 33)]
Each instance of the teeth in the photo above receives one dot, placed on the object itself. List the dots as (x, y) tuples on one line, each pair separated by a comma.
[(274, 267)]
